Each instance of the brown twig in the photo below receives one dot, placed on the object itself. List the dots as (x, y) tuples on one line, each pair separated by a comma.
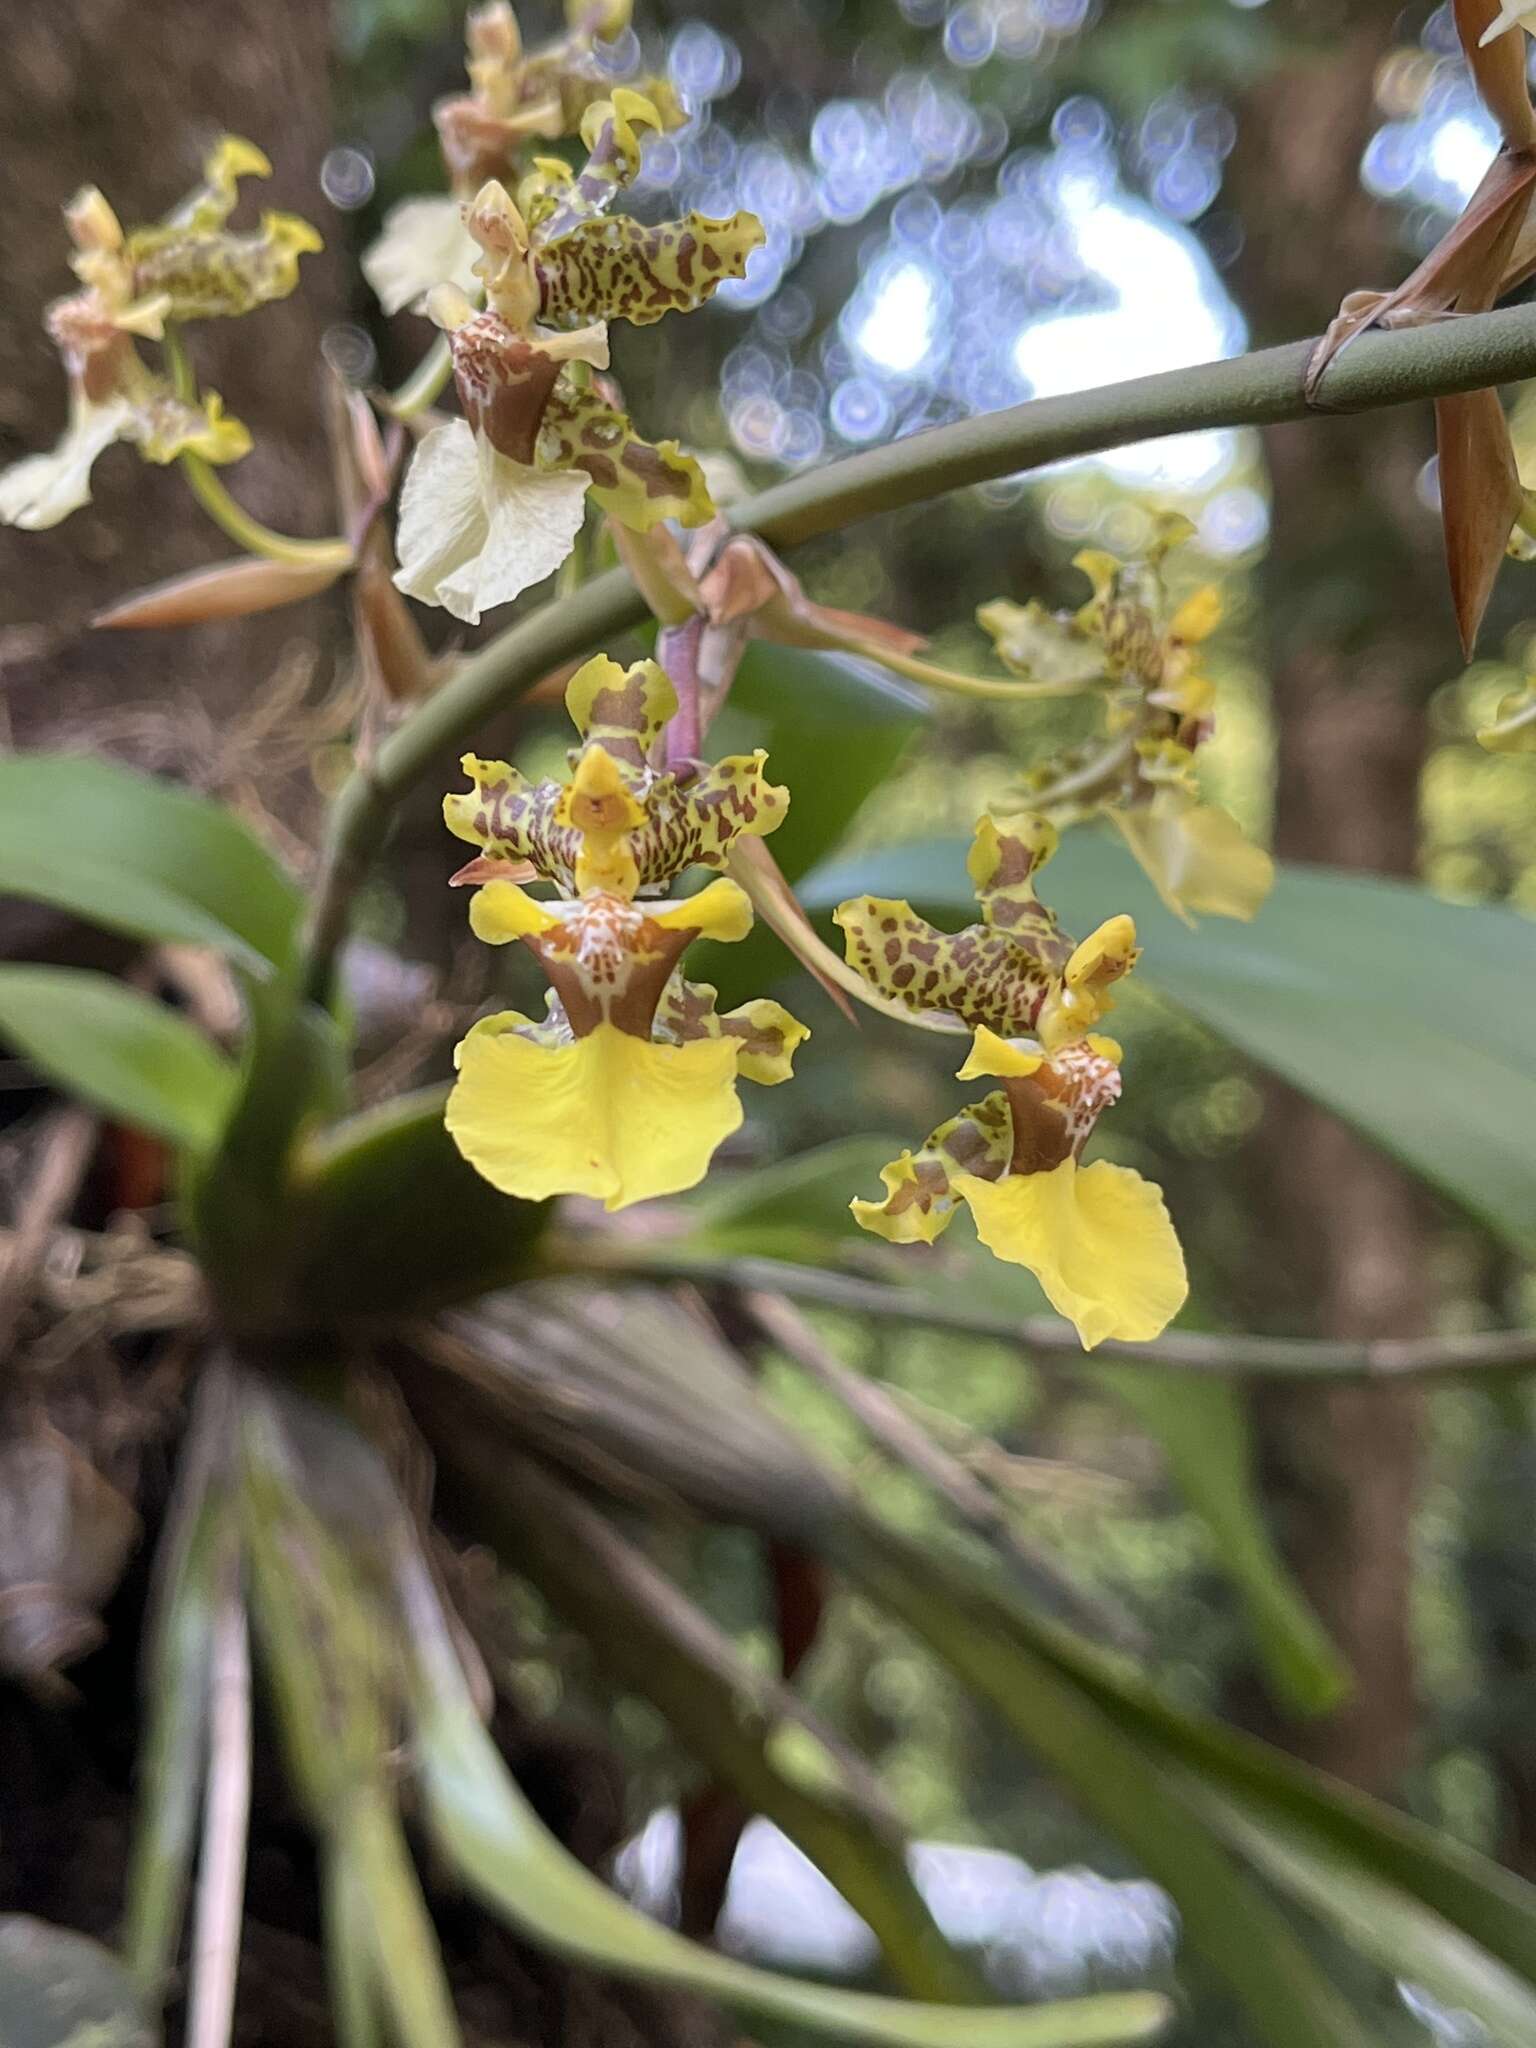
[(68, 1141)]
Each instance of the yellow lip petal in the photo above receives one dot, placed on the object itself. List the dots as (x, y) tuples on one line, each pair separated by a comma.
[(501, 912), (1097, 1238), (990, 1054), (610, 1116), (721, 910)]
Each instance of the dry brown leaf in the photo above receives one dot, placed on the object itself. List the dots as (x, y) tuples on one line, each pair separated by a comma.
[(1479, 500), (228, 590)]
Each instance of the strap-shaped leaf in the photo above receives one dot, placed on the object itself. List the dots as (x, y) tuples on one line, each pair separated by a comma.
[(1419, 1903), (1203, 1428), (1236, 1929), (660, 1648), (140, 856), (391, 1219), (492, 1837), (118, 1050), (1408, 1016)]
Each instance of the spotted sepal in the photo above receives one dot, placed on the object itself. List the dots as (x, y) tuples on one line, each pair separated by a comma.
[(696, 823), (979, 975), (1003, 863), (214, 275), (639, 482), (1045, 647), (766, 1035), (623, 269), (919, 1199), (623, 710), (513, 819)]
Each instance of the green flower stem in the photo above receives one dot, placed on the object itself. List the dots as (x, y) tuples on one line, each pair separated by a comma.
[(208, 489), (1006, 689), (425, 384), (1391, 1359), (1263, 389)]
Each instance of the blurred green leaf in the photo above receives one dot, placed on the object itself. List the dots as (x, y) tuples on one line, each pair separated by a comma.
[(1380, 1921), (172, 1759), (1233, 1925), (240, 1204), (795, 1208), (486, 1829), (118, 1050), (1408, 1016), (1414, 1900), (1173, 1786), (659, 1646), (141, 856), (1202, 1425), (834, 726), (388, 1218), (59, 1989)]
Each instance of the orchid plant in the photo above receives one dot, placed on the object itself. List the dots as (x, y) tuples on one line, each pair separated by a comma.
[(366, 1291)]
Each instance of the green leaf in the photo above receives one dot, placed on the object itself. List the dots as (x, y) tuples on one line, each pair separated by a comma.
[(1173, 1786), (240, 1206), (834, 726), (349, 1613), (1202, 1425), (1226, 1918), (795, 1208), (173, 1757), (128, 1056), (59, 1989), (142, 857), (1380, 1921), (489, 1833), (1407, 1016), (1414, 1900), (543, 1531), (389, 1219)]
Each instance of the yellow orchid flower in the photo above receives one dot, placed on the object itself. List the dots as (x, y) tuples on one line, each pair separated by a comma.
[(626, 1087), (187, 267), (493, 501), (1158, 712), (1097, 1237), (516, 96)]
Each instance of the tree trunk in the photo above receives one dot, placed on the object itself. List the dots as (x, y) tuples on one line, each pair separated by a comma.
[(1361, 632)]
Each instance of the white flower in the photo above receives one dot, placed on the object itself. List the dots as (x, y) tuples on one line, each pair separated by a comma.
[(423, 242), (40, 490), (476, 529), (1512, 12)]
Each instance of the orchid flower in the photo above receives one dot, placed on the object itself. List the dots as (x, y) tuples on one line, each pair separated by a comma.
[(627, 1085), (516, 96), (1096, 1237), (189, 266), (494, 501), (1158, 705)]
